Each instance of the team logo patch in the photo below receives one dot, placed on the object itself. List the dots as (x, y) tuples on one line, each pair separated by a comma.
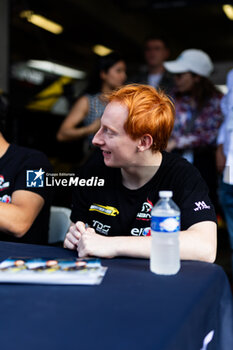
[(106, 210), (35, 178), (145, 213), (3, 185), (5, 199)]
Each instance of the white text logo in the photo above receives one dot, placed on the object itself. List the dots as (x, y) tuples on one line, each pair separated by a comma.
[(201, 205), (145, 213), (101, 227)]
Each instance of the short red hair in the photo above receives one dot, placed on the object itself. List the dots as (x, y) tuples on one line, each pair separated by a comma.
[(150, 112)]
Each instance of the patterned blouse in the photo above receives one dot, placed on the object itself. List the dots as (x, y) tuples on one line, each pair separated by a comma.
[(194, 128), (96, 109)]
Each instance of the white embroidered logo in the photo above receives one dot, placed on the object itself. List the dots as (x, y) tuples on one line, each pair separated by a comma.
[(145, 213), (201, 205), (101, 227), (207, 340), (3, 185)]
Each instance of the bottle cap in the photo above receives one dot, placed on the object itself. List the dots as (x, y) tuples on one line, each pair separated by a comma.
[(165, 194)]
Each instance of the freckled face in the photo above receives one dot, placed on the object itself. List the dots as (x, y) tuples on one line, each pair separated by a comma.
[(119, 150)]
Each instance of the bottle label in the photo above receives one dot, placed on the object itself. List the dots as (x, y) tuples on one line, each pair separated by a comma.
[(165, 224)]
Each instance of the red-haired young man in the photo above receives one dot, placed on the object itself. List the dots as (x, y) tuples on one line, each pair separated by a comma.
[(134, 132)]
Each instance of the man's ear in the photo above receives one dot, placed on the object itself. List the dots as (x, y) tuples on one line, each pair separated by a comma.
[(145, 142)]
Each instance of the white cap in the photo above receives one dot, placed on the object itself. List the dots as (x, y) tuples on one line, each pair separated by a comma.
[(165, 194), (192, 60)]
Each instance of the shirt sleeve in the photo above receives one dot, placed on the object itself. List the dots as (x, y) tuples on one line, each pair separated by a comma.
[(34, 161), (80, 207), (193, 199)]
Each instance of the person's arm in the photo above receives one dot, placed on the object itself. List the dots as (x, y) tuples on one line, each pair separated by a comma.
[(198, 242), (220, 158), (69, 130), (17, 217)]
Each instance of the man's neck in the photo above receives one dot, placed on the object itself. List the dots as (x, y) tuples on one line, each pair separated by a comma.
[(3, 145), (136, 176), (156, 69)]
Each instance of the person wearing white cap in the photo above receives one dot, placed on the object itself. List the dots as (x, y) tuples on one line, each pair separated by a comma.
[(198, 113), (192, 60), (224, 157)]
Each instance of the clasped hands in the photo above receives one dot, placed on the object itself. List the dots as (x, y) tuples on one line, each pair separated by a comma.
[(87, 242)]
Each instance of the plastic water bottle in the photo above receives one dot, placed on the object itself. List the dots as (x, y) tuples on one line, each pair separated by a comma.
[(165, 226)]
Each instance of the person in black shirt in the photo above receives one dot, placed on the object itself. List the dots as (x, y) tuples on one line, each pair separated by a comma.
[(135, 128), (24, 211)]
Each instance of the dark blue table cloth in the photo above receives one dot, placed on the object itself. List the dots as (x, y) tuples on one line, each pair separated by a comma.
[(131, 309)]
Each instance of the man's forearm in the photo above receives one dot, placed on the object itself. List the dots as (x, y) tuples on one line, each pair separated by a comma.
[(194, 244), (198, 245), (137, 247), (12, 220)]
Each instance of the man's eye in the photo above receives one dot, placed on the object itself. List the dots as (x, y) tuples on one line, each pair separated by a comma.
[(106, 130)]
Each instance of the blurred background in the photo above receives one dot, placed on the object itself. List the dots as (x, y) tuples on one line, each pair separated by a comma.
[(48, 48), (30, 46)]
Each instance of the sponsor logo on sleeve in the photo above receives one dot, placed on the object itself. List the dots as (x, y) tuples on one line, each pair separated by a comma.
[(5, 199), (201, 206), (3, 185), (106, 210)]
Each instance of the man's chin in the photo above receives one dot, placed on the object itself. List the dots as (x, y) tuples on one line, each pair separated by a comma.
[(110, 164)]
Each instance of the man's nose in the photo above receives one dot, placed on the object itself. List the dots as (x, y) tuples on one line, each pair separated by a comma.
[(97, 139)]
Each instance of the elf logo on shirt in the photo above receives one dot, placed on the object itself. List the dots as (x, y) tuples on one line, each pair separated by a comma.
[(145, 213), (35, 178), (3, 185), (135, 231), (106, 210)]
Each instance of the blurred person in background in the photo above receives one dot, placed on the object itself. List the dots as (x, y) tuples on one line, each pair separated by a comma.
[(24, 211), (198, 114), (224, 158), (156, 51), (109, 74)]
